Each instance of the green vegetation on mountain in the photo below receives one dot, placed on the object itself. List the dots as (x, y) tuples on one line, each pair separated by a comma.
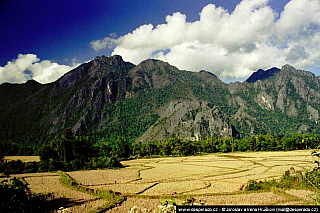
[(107, 99)]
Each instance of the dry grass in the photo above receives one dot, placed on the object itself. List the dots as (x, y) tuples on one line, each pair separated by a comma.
[(171, 172), (202, 177), (217, 187), (23, 158), (79, 201), (87, 206), (295, 202), (108, 176), (227, 164), (242, 176), (173, 188), (140, 162), (243, 199), (40, 174), (129, 188), (150, 204), (226, 172), (301, 153), (283, 169), (305, 196)]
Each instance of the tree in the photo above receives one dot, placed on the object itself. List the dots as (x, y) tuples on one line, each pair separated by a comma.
[(167, 147), (67, 153), (1, 154), (121, 147), (226, 145)]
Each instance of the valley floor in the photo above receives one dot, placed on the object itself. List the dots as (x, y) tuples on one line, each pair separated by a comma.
[(215, 178)]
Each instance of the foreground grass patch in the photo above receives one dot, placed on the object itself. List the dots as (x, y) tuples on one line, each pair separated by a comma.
[(113, 199)]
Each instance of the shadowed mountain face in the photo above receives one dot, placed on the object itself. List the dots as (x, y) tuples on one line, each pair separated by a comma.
[(261, 74), (108, 97)]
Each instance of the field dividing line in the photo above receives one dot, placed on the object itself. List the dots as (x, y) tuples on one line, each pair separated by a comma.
[(295, 161), (139, 173), (228, 173), (306, 169), (198, 176), (149, 187), (193, 177), (220, 167), (268, 169), (183, 196), (226, 178), (110, 184), (257, 163), (170, 180), (25, 175), (207, 184), (254, 162)]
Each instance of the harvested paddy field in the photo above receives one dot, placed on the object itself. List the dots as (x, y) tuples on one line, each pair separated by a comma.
[(22, 158), (74, 200), (215, 178), (105, 177)]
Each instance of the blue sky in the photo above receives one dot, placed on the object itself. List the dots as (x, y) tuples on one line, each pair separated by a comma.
[(61, 30), (47, 38)]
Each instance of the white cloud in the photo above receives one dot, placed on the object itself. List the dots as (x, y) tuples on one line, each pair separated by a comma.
[(107, 42), (230, 44), (28, 66)]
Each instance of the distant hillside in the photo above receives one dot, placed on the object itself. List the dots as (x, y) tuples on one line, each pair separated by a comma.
[(108, 97)]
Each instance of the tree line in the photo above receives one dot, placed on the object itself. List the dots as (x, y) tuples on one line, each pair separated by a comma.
[(182, 147), (71, 152)]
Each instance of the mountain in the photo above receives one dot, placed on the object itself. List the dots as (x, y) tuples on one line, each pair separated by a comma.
[(262, 74), (285, 102), (108, 97)]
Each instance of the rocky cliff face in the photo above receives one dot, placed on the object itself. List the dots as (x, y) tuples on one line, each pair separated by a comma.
[(87, 92), (190, 120), (108, 97), (153, 74), (287, 96)]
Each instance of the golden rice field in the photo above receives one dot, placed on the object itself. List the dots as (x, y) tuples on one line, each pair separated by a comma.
[(74, 201), (101, 177), (78, 201), (22, 158), (215, 178)]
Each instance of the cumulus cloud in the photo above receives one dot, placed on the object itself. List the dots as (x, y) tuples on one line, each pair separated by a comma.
[(230, 44), (108, 42), (29, 66)]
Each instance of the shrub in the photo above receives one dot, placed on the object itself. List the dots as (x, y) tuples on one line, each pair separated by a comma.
[(114, 162), (18, 167), (31, 167), (15, 196), (253, 185), (194, 202)]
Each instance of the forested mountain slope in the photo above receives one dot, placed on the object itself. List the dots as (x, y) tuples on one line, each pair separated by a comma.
[(108, 97)]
